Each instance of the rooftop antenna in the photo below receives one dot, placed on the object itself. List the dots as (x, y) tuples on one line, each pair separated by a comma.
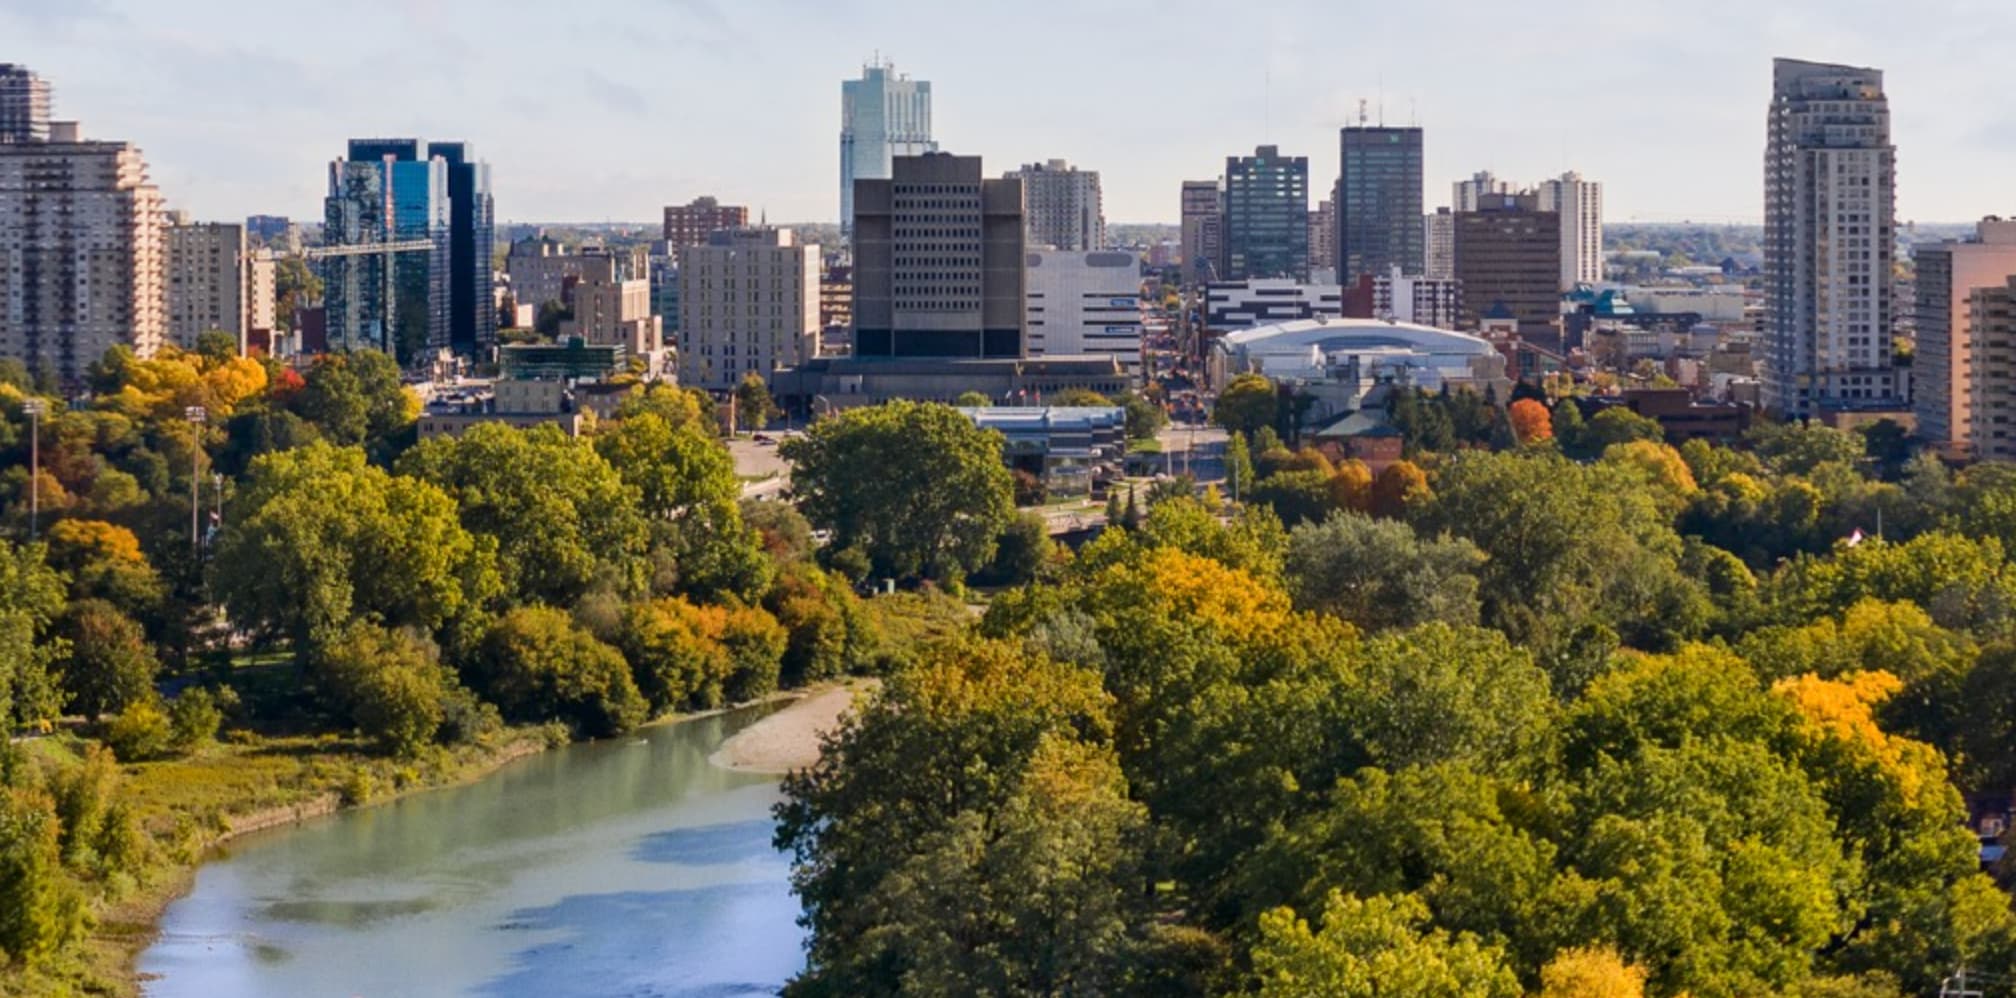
[(1361, 112), (1267, 102), (1382, 100), (1413, 113)]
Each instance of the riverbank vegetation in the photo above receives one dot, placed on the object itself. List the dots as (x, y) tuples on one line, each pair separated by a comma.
[(1551, 708), (233, 592)]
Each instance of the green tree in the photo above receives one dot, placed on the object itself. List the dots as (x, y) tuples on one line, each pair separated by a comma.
[(317, 537), (559, 515), (970, 399), (1021, 552), (1247, 404), (1614, 425), (688, 492), (216, 347), (1238, 466), (1370, 947), (1145, 416), (390, 685), (1798, 448), (40, 909), (31, 598), (295, 286), (1378, 574), (753, 407), (536, 665), (109, 665), (356, 397), (917, 487)]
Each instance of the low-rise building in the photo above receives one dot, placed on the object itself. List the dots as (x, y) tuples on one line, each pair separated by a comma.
[(1066, 446), (1085, 303), (1244, 304), (749, 304)]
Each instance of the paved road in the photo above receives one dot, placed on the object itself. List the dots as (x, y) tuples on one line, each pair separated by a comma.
[(1201, 452), (763, 473)]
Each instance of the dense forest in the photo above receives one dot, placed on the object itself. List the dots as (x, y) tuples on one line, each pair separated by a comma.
[(1551, 707)]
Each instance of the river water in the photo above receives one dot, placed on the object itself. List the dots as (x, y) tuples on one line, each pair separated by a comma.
[(624, 868)]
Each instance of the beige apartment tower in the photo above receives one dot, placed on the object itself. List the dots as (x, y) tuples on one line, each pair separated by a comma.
[(1991, 317), (1943, 369), (748, 303), (81, 252), (207, 280)]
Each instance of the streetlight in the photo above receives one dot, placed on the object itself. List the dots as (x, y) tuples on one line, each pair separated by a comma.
[(33, 409), (196, 415)]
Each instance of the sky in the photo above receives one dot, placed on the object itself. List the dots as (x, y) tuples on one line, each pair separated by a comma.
[(606, 110)]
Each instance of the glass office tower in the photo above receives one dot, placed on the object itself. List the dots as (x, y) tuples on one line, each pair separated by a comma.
[(883, 115), (1266, 230), (1379, 203), (472, 224)]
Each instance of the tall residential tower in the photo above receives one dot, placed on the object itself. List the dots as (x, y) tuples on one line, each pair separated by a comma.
[(24, 105), (1829, 238), (1062, 206), (883, 115)]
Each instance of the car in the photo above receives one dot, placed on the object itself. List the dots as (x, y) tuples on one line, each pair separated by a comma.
[(764, 438)]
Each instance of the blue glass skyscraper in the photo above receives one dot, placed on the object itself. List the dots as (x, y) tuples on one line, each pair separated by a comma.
[(472, 304), (883, 115), (400, 300)]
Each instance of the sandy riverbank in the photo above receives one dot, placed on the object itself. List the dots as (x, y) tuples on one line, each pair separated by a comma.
[(788, 739)]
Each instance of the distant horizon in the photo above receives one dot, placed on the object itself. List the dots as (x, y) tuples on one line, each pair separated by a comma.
[(636, 104)]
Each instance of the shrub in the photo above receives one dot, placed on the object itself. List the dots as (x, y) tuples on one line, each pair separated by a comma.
[(193, 719), (142, 732)]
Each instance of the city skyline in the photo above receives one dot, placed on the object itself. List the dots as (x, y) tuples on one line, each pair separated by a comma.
[(233, 105)]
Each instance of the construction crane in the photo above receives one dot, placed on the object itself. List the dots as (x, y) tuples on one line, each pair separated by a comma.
[(366, 249)]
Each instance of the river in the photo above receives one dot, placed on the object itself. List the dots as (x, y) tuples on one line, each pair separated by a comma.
[(624, 868)]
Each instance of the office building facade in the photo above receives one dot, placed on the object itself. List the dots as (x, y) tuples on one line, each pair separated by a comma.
[(1062, 206), (749, 304), (208, 280), (1829, 240), (1085, 303), (1379, 202), (1266, 229), (24, 105), (1942, 367), (1202, 230), (1508, 262), (472, 244), (938, 256), (385, 191), (542, 270), (82, 247), (883, 115), (1579, 202)]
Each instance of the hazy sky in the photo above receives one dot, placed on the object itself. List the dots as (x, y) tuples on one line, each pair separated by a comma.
[(596, 110)]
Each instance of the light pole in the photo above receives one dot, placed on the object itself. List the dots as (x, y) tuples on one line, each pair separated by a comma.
[(196, 415), (33, 409)]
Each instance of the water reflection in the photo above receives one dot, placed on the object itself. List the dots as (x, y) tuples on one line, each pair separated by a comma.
[(616, 869)]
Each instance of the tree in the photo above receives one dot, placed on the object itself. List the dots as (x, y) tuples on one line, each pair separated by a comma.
[(317, 537), (1591, 973), (1399, 488), (970, 399), (551, 315), (390, 685), (356, 397), (1145, 416), (217, 347), (1022, 551), (675, 653), (1530, 421), (109, 666), (1076, 396), (1614, 425), (1378, 574), (1370, 947), (1798, 448), (536, 665), (104, 561), (1298, 496), (894, 862), (40, 909), (560, 516), (1246, 404), (687, 490), (917, 487), (753, 407), (31, 598)]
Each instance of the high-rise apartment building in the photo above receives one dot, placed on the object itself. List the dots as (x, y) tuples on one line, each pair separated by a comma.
[(24, 105), (472, 244), (1508, 259), (1323, 238), (1942, 368), (1579, 202), (207, 280), (938, 261), (1203, 230), (1379, 202), (395, 299), (81, 251), (1062, 206), (1085, 303), (1439, 231), (1466, 195), (749, 304), (1420, 300), (1829, 240), (262, 273), (1266, 215), (883, 115), (1991, 317), (694, 223)]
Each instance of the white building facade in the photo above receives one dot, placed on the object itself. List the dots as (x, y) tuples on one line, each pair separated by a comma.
[(1085, 303), (1579, 202)]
